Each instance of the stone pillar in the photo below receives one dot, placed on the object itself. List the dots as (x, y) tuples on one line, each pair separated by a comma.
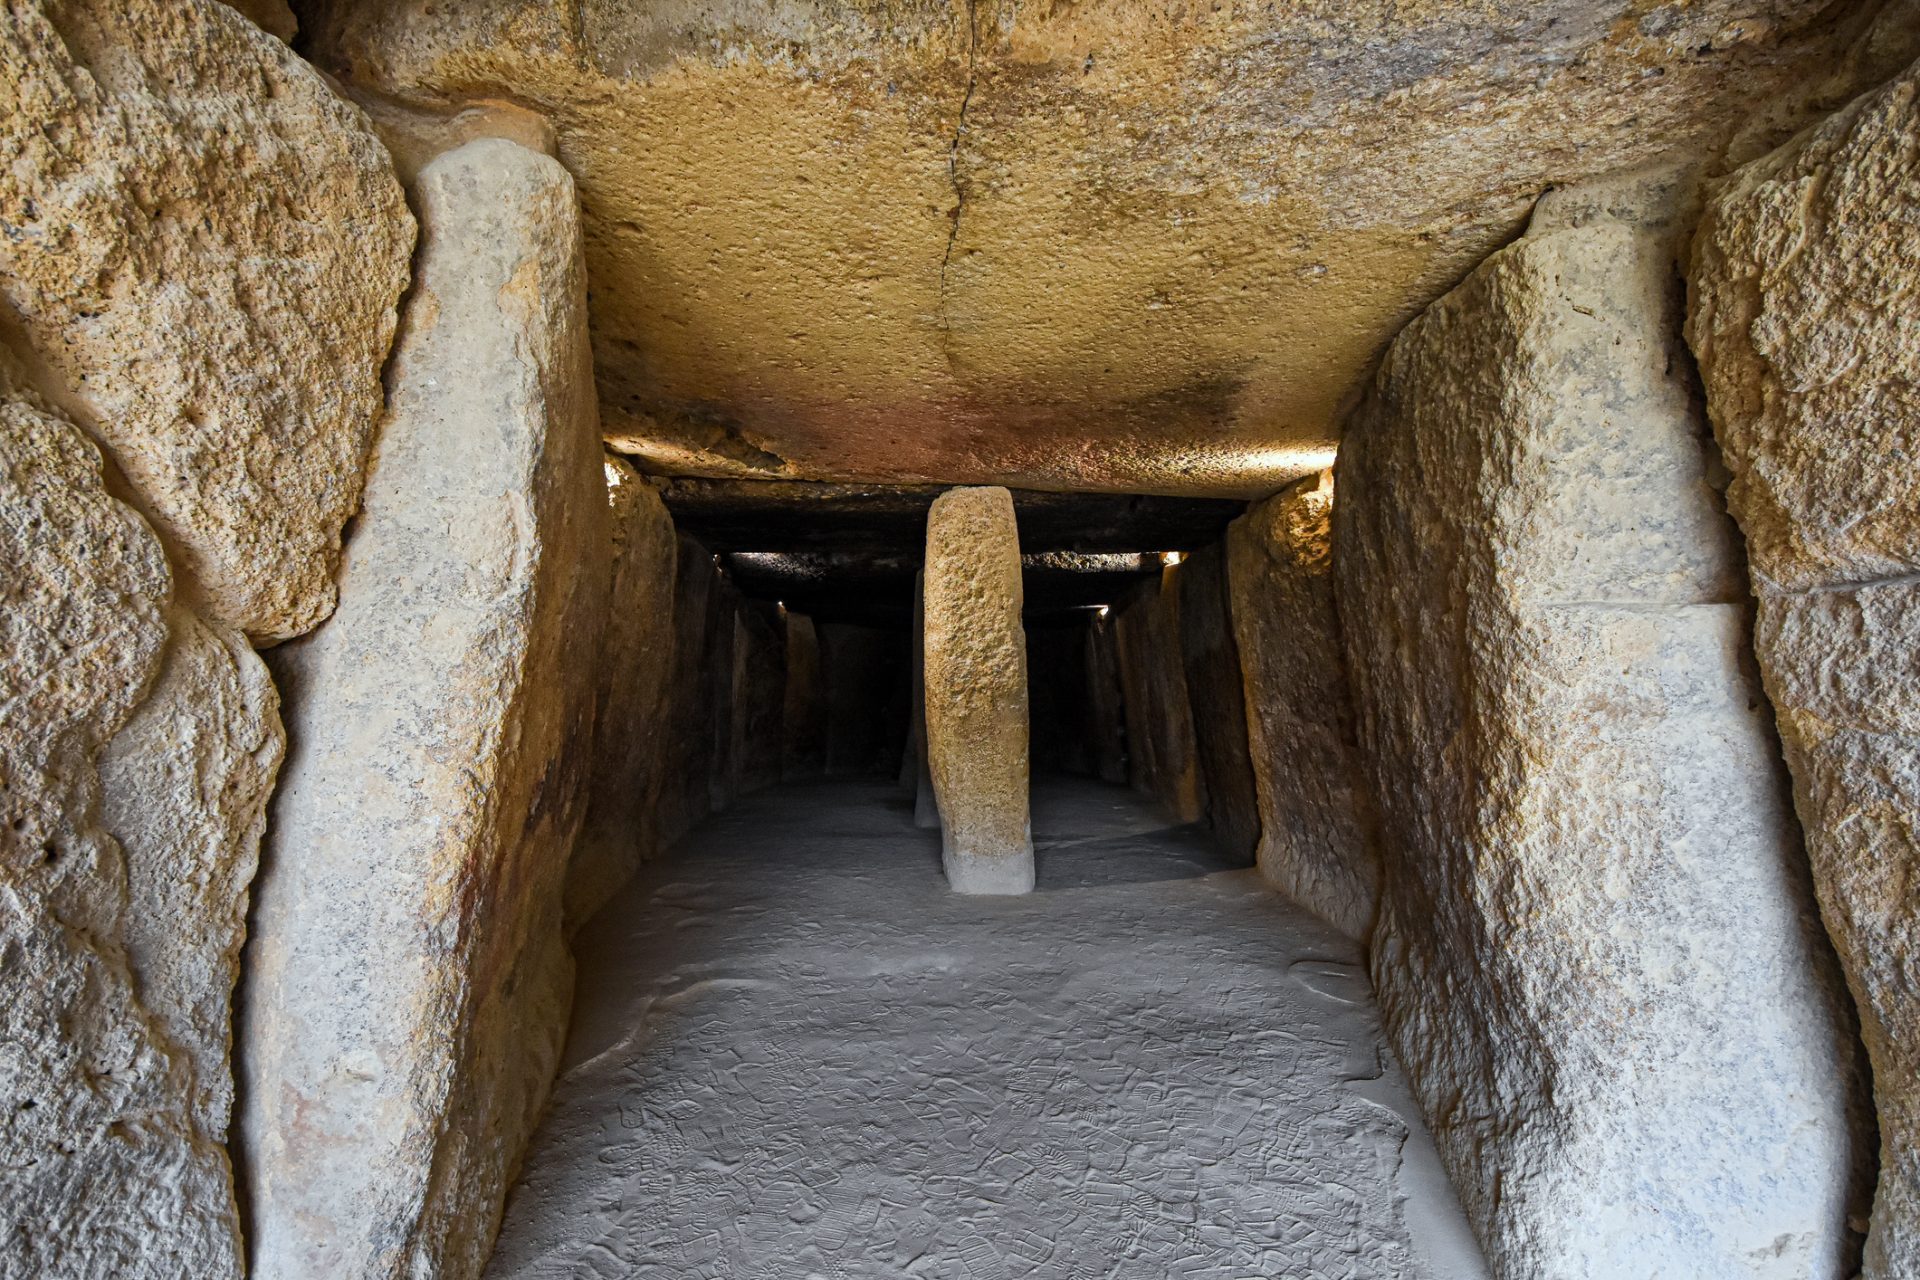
[(1163, 758), (1216, 701), (1804, 282), (926, 808), (1316, 816), (803, 729), (631, 734), (408, 982), (976, 691), (1106, 718), (1596, 953)]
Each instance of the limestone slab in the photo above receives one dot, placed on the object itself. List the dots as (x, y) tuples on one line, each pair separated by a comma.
[(408, 978), (112, 1125), (1217, 700), (1315, 811), (1597, 949), (976, 691), (206, 246), (1163, 758), (1805, 289), (621, 829), (1106, 714)]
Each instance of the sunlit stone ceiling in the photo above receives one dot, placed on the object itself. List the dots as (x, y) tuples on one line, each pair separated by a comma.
[(1121, 246)]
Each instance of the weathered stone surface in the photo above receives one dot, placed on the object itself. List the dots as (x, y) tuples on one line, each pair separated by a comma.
[(1106, 715), (976, 691), (1163, 760), (1315, 811), (1119, 245), (408, 981), (184, 789), (113, 1165), (686, 794), (1217, 701), (1597, 953), (803, 722), (630, 739), (1806, 280), (204, 245)]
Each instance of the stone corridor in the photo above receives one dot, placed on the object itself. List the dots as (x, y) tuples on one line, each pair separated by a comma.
[(796, 1054)]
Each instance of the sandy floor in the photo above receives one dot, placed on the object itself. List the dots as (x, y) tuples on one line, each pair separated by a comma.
[(795, 1055)]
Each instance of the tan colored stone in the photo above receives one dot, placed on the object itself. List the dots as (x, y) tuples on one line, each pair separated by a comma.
[(1597, 953), (976, 691), (1122, 245), (1163, 759), (1805, 283), (204, 245), (630, 741), (185, 785), (1316, 824), (408, 978), (111, 1139), (1217, 701)]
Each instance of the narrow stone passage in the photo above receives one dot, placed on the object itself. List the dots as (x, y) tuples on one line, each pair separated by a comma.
[(796, 1054)]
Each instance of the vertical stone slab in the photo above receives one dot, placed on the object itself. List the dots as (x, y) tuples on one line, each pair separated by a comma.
[(685, 789), (720, 680), (114, 1106), (631, 741), (803, 726), (408, 981), (1597, 953), (976, 691), (1805, 285), (759, 701), (1163, 756), (926, 808), (205, 245), (1106, 718), (1217, 701), (1316, 815)]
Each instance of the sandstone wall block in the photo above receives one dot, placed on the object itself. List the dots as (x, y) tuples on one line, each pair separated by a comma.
[(408, 978), (1805, 292), (1163, 757), (1217, 701), (1597, 952), (976, 691), (206, 244), (630, 739), (1315, 811), (113, 1062)]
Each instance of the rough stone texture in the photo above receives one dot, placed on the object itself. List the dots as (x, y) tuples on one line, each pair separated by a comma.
[(1806, 283), (630, 739), (111, 1132), (1123, 245), (1163, 759), (1106, 715), (1597, 949), (204, 245), (803, 722), (184, 790), (1217, 701), (976, 691), (686, 794), (759, 698), (1316, 815), (408, 981)]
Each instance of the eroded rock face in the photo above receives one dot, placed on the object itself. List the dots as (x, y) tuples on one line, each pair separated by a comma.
[(976, 691), (408, 982), (636, 660), (1805, 277), (1217, 701), (205, 245), (1597, 952), (1315, 811), (112, 1072), (1124, 245)]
